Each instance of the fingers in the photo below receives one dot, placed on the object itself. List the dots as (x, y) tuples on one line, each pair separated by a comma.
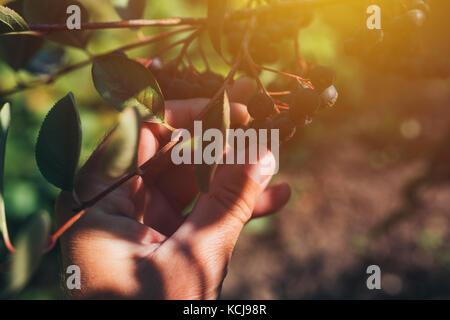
[(212, 229), (183, 113), (272, 200)]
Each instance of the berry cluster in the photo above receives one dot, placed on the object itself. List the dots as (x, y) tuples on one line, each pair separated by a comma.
[(272, 28), (302, 104), (185, 84), (397, 47)]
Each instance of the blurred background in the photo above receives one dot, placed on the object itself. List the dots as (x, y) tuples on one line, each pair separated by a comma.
[(370, 177)]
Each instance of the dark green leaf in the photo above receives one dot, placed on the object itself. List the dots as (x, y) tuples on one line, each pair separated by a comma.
[(4, 128), (216, 18), (11, 21), (18, 49), (30, 246), (130, 9), (219, 118), (59, 144), (126, 83), (120, 154), (55, 12)]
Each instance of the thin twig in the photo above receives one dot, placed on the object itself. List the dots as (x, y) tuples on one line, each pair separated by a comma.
[(289, 75), (187, 43), (170, 22), (173, 22)]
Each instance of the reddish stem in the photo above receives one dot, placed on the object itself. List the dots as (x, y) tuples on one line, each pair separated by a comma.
[(54, 237), (8, 243), (289, 75)]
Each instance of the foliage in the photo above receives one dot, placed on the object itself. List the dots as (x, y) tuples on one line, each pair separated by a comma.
[(251, 44)]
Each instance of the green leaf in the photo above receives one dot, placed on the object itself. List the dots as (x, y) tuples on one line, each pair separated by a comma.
[(11, 21), (5, 116), (30, 246), (130, 9), (120, 154), (126, 83), (18, 49), (55, 12), (59, 144), (216, 20), (219, 118)]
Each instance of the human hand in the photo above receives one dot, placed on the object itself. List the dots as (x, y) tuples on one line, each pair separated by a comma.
[(135, 243)]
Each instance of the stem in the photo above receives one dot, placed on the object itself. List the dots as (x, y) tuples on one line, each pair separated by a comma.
[(8, 243), (279, 93), (202, 53), (165, 49), (4, 228), (187, 43), (53, 77), (300, 62), (80, 212), (252, 65), (289, 75), (172, 22), (54, 237), (169, 22)]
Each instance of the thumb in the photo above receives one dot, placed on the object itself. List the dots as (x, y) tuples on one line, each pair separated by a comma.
[(212, 229)]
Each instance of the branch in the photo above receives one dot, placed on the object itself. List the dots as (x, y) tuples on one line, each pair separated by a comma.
[(51, 78), (173, 22), (301, 80), (170, 22), (153, 166)]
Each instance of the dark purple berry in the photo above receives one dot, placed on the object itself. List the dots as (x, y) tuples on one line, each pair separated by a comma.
[(304, 103), (260, 106), (287, 128)]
